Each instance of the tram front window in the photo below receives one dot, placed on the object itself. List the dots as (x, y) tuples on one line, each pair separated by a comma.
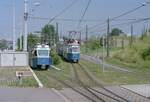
[(74, 49), (42, 52)]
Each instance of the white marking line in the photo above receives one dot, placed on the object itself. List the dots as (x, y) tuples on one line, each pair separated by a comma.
[(37, 79), (55, 68), (62, 96)]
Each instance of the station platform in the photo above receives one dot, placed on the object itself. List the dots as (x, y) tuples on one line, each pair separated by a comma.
[(143, 90)]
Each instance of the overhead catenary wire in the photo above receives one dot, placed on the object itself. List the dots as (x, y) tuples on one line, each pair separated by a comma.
[(82, 17), (130, 11), (98, 26), (65, 19), (63, 11), (95, 26), (132, 22), (122, 24), (123, 14)]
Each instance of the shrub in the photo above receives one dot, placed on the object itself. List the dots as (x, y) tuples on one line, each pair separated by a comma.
[(146, 54), (93, 44), (127, 55), (55, 58)]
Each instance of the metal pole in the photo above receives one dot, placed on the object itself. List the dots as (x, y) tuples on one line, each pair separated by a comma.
[(21, 34), (147, 31), (20, 44), (57, 35), (14, 26), (25, 25), (108, 37), (86, 37), (103, 55), (131, 42), (80, 37)]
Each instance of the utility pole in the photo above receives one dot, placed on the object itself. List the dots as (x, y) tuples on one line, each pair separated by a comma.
[(107, 36), (86, 49), (20, 43), (103, 54), (57, 35), (25, 25), (14, 26), (80, 37), (147, 31), (131, 41), (122, 42)]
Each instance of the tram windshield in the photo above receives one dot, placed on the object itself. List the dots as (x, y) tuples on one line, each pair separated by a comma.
[(74, 49), (43, 52)]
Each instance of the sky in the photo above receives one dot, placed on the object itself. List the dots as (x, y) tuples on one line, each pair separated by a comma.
[(98, 11)]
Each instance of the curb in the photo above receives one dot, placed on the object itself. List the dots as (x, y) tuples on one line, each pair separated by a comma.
[(37, 79)]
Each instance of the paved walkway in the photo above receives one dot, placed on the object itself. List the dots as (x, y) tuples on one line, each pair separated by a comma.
[(65, 95), (143, 90), (124, 93), (29, 95)]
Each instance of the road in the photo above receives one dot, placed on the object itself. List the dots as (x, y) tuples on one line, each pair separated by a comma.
[(99, 61)]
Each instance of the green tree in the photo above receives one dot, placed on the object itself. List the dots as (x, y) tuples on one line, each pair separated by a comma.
[(18, 44), (93, 43), (20, 47), (116, 32), (49, 35), (3, 44), (33, 40)]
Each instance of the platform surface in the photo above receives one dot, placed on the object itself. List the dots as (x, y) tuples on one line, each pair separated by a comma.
[(143, 90), (29, 95)]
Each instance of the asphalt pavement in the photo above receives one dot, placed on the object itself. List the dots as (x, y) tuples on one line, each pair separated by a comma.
[(29, 95)]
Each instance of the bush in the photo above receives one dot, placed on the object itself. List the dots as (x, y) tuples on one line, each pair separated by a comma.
[(146, 54), (128, 55), (93, 44), (55, 58)]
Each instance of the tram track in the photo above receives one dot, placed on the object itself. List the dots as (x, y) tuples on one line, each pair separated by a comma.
[(83, 91), (83, 87), (112, 95), (79, 81), (78, 90)]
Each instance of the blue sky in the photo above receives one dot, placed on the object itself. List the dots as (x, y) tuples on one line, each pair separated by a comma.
[(98, 10)]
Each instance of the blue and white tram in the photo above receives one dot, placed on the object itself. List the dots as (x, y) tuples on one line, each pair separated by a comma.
[(72, 52), (40, 57)]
